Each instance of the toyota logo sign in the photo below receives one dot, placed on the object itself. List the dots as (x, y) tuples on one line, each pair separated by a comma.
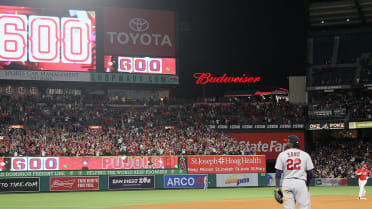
[(139, 24)]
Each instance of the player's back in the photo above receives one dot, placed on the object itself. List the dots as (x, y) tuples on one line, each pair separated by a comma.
[(294, 163)]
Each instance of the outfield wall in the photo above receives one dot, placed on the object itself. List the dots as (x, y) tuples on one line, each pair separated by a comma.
[(37, 174), (137, 180)]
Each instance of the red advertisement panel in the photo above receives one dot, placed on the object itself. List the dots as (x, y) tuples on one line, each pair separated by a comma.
[(74, 183), (268, 144), (91, 163), (139, 32), (226, 164)]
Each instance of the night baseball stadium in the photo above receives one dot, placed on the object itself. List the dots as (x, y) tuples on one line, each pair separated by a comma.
[(165, 104)]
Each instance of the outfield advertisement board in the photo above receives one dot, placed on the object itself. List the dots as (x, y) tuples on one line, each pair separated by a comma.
[(74, 183), (268, 144), (88, 163), (19, 184), (184, 181), (363, 124), (131, 182), (226, 164), (91, 173), (326, 182), (237, 180), (270, 180)]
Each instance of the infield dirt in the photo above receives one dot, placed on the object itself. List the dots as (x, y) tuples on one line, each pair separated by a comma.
[(317, 202)]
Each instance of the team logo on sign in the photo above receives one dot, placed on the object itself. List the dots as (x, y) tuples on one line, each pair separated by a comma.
[(139, 24)]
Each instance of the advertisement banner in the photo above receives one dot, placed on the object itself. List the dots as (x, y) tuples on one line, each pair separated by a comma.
[(44, 75), (74, 183), (237, 180), (364, 124), (184, 181), (134, 78), (131, 182), (139, 32), (91, 173), (226, 164), (19, 184), (270, 180), (91, 163), (268, 144), (257, 126), (330, 182)]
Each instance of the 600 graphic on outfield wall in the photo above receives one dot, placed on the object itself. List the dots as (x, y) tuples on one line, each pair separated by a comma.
[(88, 163), (183, 181)]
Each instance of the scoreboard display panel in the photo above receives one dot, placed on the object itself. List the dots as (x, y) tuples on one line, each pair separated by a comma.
[(146, 65), (47, 39)]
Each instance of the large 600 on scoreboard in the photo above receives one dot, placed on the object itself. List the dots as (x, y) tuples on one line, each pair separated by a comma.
[(31, 38)]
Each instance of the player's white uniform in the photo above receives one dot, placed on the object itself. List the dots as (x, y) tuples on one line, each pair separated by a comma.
[(294, 163), (205, 182)]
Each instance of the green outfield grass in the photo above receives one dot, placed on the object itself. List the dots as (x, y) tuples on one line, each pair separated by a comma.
[(110, 199)]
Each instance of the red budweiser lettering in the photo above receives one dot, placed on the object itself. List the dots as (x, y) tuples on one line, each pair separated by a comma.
[(205, 78), (65, 184), (74, 183)]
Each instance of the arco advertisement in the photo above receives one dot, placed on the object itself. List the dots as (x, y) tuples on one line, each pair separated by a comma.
[(183, 181), (268, 144)]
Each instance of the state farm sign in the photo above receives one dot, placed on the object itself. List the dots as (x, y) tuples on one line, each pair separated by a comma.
[(268, 144), (139, 32)]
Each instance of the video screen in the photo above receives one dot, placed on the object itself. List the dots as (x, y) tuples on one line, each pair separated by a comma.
[(47, 39), (146, 65)]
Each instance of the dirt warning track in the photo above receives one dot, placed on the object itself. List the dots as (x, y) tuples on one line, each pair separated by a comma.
[(317, 202)]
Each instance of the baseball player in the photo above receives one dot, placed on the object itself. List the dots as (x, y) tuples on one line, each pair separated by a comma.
[(296, 167), (363, 174), (206, 183)]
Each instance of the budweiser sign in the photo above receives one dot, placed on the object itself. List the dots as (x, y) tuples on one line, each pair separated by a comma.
[(74, 183), (206, 78), (64, 184)]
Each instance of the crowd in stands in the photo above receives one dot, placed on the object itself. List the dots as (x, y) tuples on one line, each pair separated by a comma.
[(58, 126), (352, 106), (341, 158)]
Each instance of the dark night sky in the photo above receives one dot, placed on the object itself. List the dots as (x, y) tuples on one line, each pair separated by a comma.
[(257, 37)]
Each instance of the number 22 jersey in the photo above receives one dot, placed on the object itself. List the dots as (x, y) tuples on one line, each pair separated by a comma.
[(294, 163)]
